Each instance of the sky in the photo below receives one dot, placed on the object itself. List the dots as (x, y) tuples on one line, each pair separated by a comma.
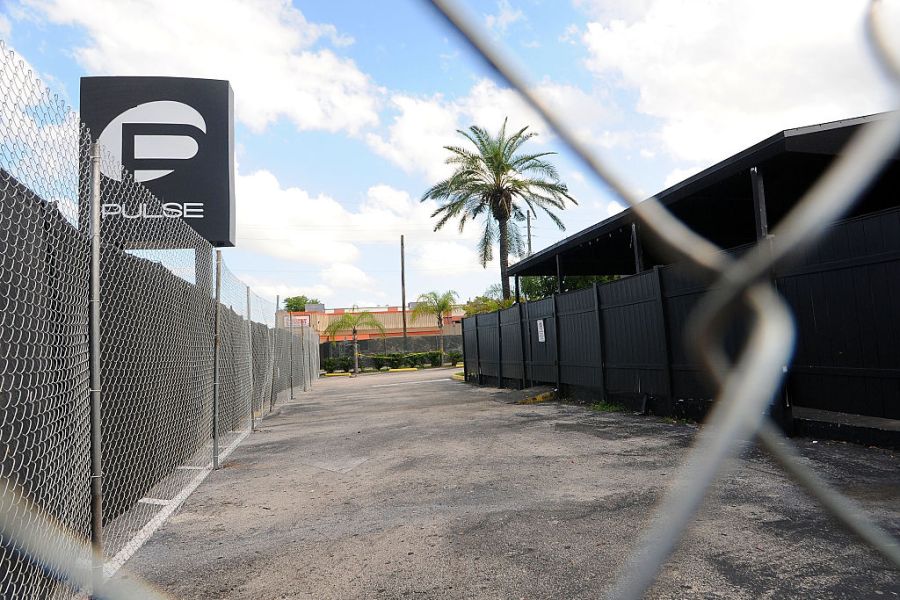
[(343, 108)]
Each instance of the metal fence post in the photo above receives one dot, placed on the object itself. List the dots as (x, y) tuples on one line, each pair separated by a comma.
[(462, 325), (217, 344), (274, 390), (667, 350), (556, 337), (291, 357), (304, 360), (522, 344), (250, 350), (477, 354), (528, 363), (599, 313), (97, 559), (499, 350)]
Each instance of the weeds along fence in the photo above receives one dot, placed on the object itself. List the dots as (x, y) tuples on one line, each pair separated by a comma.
[(177, 359)]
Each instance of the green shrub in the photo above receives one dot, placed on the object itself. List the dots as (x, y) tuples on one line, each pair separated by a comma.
[(378, 361), (330, 365), (435, 358), (454, 356), (345, 363), (395, 360)]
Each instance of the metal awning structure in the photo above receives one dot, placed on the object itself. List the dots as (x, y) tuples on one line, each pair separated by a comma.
[(733, 203)]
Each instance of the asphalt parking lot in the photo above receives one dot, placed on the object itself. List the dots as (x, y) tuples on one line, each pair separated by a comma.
[(412, 485)]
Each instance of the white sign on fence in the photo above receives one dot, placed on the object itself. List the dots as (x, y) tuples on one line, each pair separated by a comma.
[(540, 326)]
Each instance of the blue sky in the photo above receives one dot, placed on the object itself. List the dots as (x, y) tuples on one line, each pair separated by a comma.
[(343, 107)]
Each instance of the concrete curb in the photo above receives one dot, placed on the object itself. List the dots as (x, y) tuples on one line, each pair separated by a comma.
[(544, 397), (458, 377), (338, 374), (402, 370)]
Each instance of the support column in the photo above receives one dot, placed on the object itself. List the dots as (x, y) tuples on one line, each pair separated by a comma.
[(558, 275), (781, 408), (518, 293), (759, 204), (637, 248)]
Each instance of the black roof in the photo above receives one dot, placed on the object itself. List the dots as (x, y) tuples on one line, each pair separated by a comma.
[(717, 202)]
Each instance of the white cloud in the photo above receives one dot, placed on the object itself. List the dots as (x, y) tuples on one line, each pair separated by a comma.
[(277, 288), (290, 223), (264, 47), (448, 258), (604, 10), (5, 26), (346, 276), (680, 174), (416, 138), (506, 16), (571, 34), (722, 75), (614, 208)]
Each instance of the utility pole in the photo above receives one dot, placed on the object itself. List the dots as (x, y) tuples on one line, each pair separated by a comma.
[(528, 216), (403, 289)]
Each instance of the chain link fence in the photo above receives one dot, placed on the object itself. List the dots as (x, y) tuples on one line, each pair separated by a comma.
[(747, 385), (159, 368), (188, 356)]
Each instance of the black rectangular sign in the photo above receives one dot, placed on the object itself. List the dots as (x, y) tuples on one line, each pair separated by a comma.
[(176, 136)]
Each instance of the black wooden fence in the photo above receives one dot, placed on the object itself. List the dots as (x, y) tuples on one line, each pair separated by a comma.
[(625, 339)]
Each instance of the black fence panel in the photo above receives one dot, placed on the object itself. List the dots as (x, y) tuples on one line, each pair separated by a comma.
[(682, 288), (542, 341), (846, 300), (580, 341), (489, 343), (470, 349), (634, 336), (628, 338), (511, 345)]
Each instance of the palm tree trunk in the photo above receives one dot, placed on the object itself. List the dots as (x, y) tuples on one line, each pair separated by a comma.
[(355, 355), (504, 256), (441, 332)]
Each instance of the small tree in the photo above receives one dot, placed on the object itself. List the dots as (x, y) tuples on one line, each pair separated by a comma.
[(438, 305), (352, 322), (298, 303)]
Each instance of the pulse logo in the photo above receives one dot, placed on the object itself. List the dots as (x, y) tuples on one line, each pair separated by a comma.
[(151, 135), (146, 140)]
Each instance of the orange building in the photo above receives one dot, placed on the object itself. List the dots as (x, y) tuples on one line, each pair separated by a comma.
[(390, 317)]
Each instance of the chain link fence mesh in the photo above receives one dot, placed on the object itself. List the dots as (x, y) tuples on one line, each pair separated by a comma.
[(44, 274), (745, 386), (156, 359), (157, 400)]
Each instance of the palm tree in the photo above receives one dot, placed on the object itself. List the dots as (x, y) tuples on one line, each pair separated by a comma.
[(438, 305), (352, 322), (499, 184)]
